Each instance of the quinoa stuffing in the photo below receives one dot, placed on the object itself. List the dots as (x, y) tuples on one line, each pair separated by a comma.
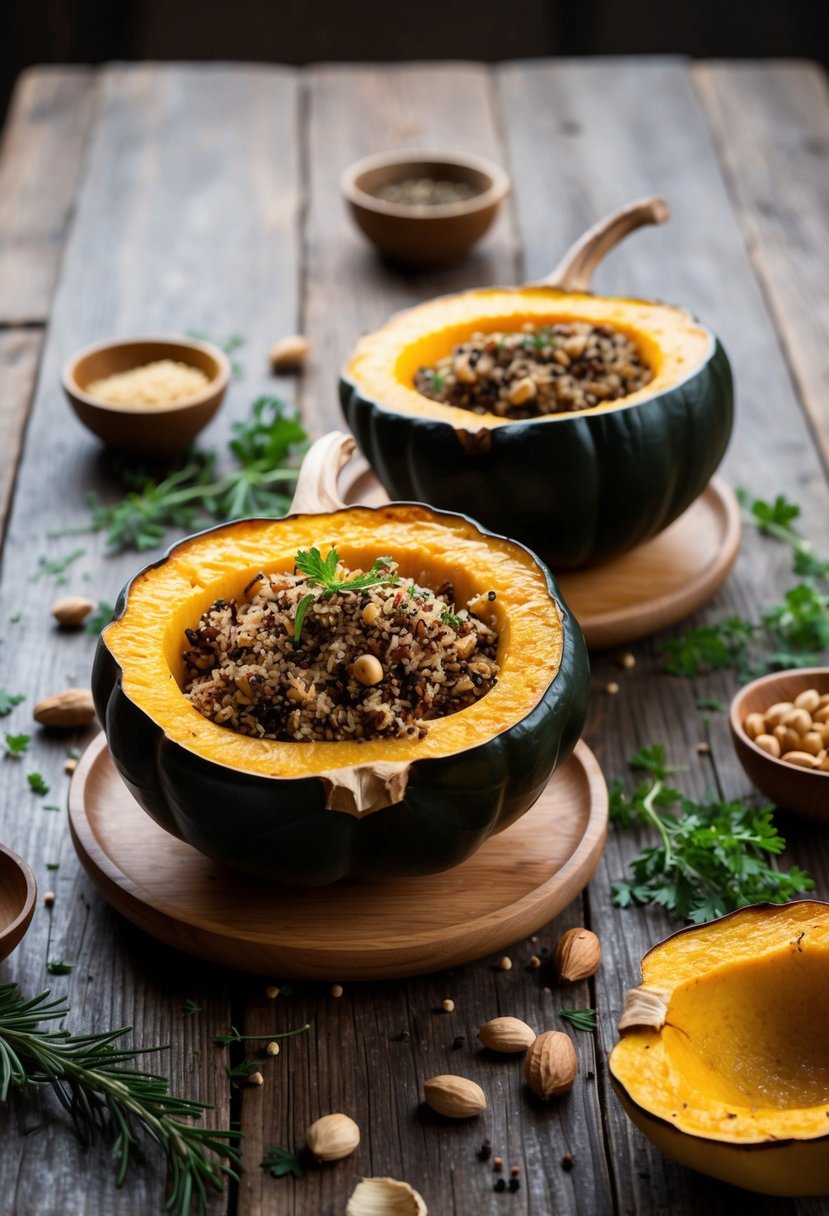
[(551, 369), (366, 662)]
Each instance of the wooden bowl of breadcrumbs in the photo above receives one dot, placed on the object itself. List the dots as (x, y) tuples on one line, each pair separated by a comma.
[(148, 396)]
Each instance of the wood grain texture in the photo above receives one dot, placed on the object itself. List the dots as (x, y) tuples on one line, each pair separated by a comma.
[(42, 157), (583, 138), (186, 217), (771, 127), (19, 354)]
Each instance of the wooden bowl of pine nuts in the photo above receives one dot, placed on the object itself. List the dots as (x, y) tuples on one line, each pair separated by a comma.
[(780, 728)]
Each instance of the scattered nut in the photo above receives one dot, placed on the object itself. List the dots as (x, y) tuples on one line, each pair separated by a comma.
[(289, 354), (578, 954), (333, 1137), (505, 964), (627, 661), (256, 1078), (703, 748), (336, 990), (70, 611), (506, 1035), (69, 765), (72, 707), (497, 1164), (454, 1097), (550, 1066), (612, 688), (48, 897), (385, 1197), (271, 992), (272, 1049), (533, 962), (448, 1005)]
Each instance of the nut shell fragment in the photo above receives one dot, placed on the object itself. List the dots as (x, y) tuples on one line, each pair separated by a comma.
[(506, 1035), (385, 1197), (550, 1066), (578, 954), (333, 1137), (72, 707), (70, 611), (645, 1008), (454, 1097)]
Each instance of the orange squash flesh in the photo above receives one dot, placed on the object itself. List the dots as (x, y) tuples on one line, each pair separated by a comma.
[(148, 639), (669, 340)]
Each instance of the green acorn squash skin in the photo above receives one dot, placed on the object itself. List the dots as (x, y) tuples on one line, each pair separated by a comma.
[(280, 829), (576, 490)]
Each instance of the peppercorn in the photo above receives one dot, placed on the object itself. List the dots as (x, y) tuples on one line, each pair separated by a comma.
[(485, 1151), (500, 1185)]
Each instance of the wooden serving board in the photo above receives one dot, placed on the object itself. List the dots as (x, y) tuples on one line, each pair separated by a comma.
[(515, 883), (641, 592)]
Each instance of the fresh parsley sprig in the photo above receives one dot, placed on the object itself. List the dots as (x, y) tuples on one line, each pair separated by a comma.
[(712, 857), (321, 572), (103, 1097)]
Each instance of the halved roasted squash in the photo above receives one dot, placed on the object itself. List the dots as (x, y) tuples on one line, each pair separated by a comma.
[(411, 807), (576, 487), (724, 1059)]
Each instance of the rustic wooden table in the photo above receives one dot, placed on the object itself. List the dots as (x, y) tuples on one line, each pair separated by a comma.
[(164, 198)]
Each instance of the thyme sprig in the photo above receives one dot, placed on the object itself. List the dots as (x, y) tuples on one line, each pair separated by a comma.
[(87, 1073), (712, 857)]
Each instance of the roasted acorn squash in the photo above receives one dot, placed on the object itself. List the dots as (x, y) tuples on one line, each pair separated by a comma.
[(576, 487), (724, 1060), (312, 813)]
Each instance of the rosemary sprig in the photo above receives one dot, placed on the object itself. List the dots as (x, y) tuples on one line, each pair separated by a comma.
[(579, 1019), (88, 1077)]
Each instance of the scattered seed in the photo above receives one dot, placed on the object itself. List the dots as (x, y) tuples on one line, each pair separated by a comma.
[(534, 961), (515, 1170), (271, 992), (534, 938), (497, 1164), (458, 1042), (568, 1161), (272, 1049), (514, 1184), (69, 766), (500, 1185), (256, 1078), (627, 661), (703, 748), (612, 688), (506, 963), (485, 1151), (48, 897), (448, 1005), (336, 990)]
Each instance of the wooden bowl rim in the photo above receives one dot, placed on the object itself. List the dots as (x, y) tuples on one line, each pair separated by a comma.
[(735, 718), (491, 196), (217, 384), (8, 858)]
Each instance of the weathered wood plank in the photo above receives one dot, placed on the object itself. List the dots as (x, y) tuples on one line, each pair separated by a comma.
[(19, 353), (353, 1060), (186, 217), (40, 165), (771, 127), (585, 137)]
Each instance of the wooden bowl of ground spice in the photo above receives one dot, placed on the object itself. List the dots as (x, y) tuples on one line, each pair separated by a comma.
[(426, 209), (149, 396), (18, 892)]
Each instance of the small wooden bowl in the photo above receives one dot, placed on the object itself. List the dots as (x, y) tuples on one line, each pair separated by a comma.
[(149, 430), (18, 892), (800, 790), (423, 234)]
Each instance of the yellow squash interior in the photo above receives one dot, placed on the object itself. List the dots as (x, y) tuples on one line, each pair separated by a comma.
[(744, 1054), (385, 361), (164, 600)]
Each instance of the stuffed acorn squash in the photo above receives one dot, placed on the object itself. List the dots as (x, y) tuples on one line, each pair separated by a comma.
[(313, 812), (724, 1060), (577, 487)]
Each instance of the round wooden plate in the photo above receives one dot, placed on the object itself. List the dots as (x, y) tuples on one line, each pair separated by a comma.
[(513, 885), (641, 592)]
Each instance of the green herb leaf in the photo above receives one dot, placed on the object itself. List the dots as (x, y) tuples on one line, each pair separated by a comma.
[(100, 618), (8, 700), (453, 619), (711, 857), (189, 1007), (281, 1161), (711, 703), (240, 1072), (581, 1019), (59, 967), (224, 1040), (88, 1075), (16, 744), (37, 784), (56, 566), (52, 865), (301, 612)]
